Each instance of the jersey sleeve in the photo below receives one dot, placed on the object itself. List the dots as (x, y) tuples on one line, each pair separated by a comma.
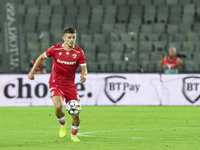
[(82, 61), (163, 60), (49, 52)]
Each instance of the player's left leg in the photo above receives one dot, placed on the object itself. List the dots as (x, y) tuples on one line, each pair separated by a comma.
[(75, 126)]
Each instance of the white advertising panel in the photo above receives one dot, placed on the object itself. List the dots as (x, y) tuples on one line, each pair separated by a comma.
[(182, 89), (87, 91), (18, 90), (106, 89), (127, 89)]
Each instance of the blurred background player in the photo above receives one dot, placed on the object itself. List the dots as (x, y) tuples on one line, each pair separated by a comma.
[(171, 63), (66, 59), (40, 70)]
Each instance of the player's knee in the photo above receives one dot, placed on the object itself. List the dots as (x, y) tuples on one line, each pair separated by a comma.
[(58, 106)]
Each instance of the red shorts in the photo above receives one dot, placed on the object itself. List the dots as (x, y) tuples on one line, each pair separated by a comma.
[(67, 91)]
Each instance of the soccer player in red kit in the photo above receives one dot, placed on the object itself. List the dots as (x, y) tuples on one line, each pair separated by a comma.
[(171, 63), (66, 59)]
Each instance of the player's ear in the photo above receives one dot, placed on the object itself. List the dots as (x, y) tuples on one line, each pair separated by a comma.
[(63, 38)]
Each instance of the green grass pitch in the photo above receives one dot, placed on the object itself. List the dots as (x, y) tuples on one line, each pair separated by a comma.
[(102, 128)]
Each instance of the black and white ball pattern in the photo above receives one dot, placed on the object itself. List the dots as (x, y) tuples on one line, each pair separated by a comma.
[(73, 107)]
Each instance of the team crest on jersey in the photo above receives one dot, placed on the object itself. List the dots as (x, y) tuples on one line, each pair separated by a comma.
[(60, 53), (74, 56), (191, 89), (67, 53)]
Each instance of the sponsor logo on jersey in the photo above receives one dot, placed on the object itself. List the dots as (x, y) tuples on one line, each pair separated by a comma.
[(74, 56), (170, 65), (117, 86), (191, 88), (66, 62), (57, 48)]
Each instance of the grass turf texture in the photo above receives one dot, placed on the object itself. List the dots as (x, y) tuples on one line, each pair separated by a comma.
[(106, 128)]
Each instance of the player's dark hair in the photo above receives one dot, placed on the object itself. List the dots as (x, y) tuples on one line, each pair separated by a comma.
[(69, 30)]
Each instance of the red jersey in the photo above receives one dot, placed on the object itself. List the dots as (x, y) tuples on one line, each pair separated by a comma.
[(171, 64), (65, 63)]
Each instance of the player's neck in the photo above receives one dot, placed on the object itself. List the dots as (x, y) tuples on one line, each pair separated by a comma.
[(67, 48), (172, 57)]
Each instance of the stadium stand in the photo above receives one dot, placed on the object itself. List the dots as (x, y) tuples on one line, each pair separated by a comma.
[(116, 35), (158, 2)]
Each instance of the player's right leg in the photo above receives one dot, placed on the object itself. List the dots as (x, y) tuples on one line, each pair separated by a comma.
[(75, 126), (72, 94), (57, 98)]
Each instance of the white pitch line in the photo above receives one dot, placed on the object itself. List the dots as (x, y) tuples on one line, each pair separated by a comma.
[(86, 134), (108, 131)]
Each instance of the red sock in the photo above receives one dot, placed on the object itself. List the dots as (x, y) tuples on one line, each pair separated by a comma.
[(74, 130), (62, 121)]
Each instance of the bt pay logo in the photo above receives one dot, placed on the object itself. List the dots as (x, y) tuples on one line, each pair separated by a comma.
[(191, 88), (117, 86)]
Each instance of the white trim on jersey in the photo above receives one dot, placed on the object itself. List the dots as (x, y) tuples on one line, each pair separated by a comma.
[(45, 54), (83, 64), (56, 89), (74, 50)]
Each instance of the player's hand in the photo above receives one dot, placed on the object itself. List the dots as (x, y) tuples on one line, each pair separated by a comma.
[(82, 78), (164, 66), (31, 76)]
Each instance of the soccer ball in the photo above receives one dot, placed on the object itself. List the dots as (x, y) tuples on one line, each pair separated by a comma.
[(73, 107)]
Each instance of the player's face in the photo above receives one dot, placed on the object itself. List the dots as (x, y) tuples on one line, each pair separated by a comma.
[(171, 53), (69, 39)]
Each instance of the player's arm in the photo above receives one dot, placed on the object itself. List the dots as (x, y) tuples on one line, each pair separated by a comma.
[(37, 63), (180, 63), (161, 64), (83, 73)]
